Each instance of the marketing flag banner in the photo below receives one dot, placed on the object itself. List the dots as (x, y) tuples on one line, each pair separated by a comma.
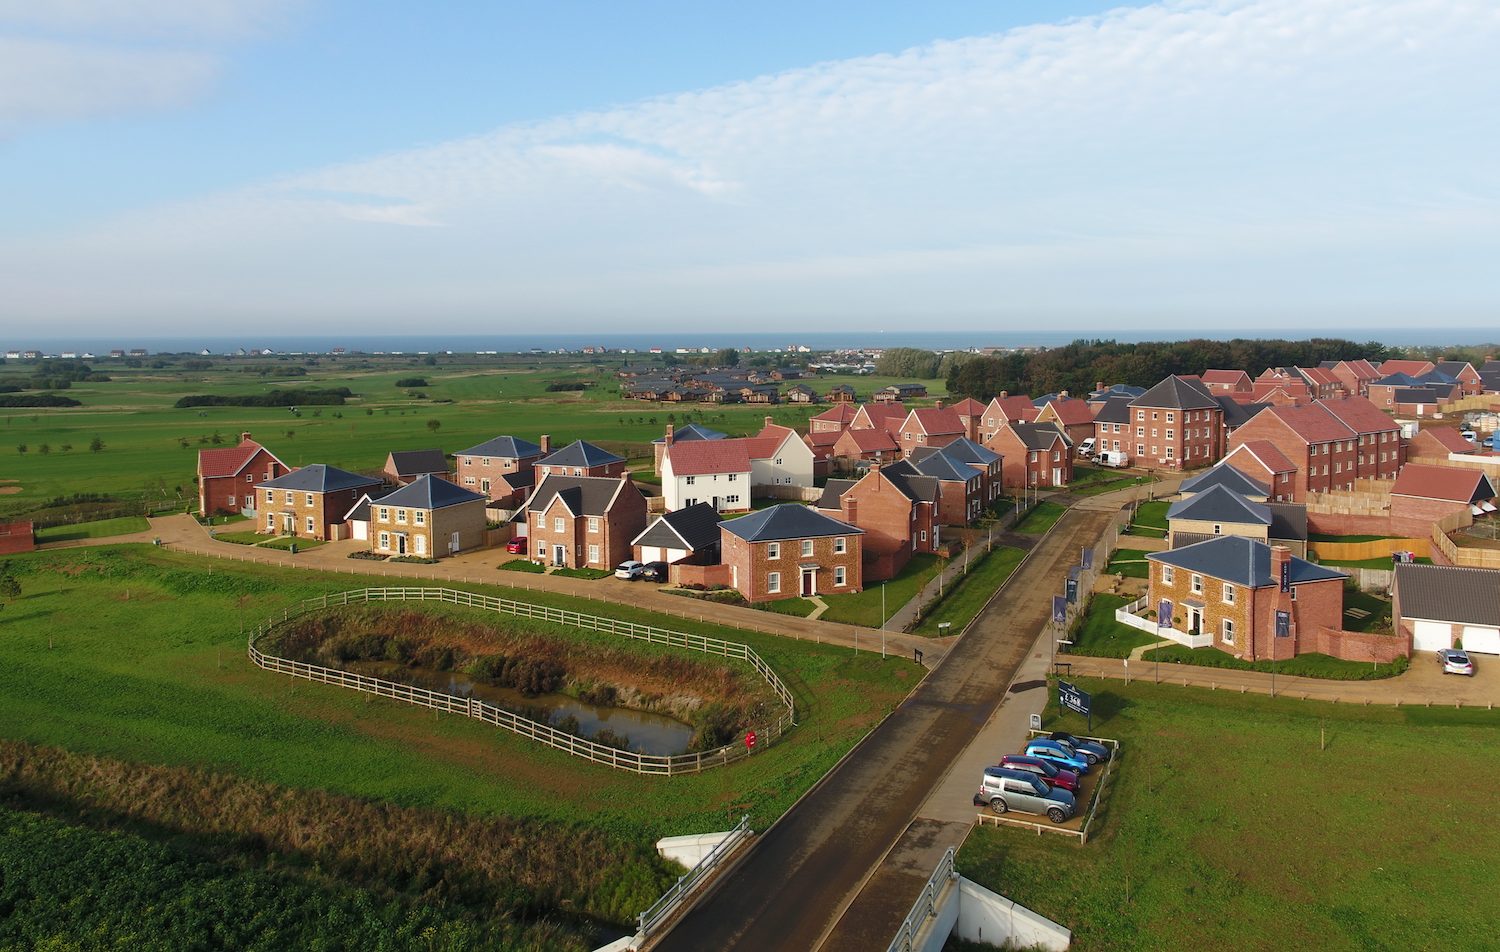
[(1059, 609), (1072, 590), (1283, 624), (1164, 614), (1286, 576)]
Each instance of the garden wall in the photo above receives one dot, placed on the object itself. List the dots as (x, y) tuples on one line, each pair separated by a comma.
[(709, 575), (1356, 645)]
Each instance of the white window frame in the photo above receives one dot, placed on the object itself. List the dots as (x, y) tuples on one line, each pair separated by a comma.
[(594, 554), (385, 541), (419, 517), (838, 576), (773, 550), (1228, 594), (385, 514), (311, 525), (807, 548), (1167, 575), (307, 499), (400, 517), (1196, 584), (557, 524), (1226, 630), (773, 583), (840, 545), (594, 524)]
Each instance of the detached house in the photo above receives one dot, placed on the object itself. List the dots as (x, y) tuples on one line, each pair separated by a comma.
[(427, 518), (1355, 375), (897, 509), (227, 477), (836, 419), (1225, 382), (1468, 379), (684, 537), (404, 467), (789, 551), (686, 434), (584, 521), (778, 457), (934, 427), (1074, 417), (1033, 454), (961, 487), (1002, 410), (1219, 510), (579, 459), (501, 469), (310, 502), (713, 471), (1331, 443), (1176, 424)]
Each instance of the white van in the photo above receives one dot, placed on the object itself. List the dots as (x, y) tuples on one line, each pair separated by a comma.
[(1086, 448), (1112, 458)]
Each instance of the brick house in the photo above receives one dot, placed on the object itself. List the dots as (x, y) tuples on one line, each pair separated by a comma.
[(856, 446), (1261, 461), (1033, 455), (404, 467), (500, 469), (1423, 494), (584, 521), (227, 477), (1435, 443), (684, 537), (429, 517), (1074, 417), (886, 416), (1176, 424), (579, 459), (788, 551), (1355, 375), (1112, 425), (971, 415), (1219, 510), (310, 502), (986, 461), (713, 471), (1005, 409), (1413, 368), (897, 509), (1442, 606), (1469, 381), (934, 426), (1226, 592), (1226, 382), (836, 419), (961, 487), (1331, 443)]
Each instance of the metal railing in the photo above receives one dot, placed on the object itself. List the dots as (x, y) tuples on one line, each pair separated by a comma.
[(663, 908), (926, 904), (663, 764)]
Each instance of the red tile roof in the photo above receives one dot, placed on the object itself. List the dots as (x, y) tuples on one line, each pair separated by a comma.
[(1012, 408), (1415, 368), (1312, 423), (705, 457), (1449, 439), (838, 413), (1267, 453), (969, 407), (1070, 412), (1320, 376), (1228, 377), (879, 412), (870, 441), (822, 438), (228, 462), (1359, 414), (935, 422), (1437, 482)]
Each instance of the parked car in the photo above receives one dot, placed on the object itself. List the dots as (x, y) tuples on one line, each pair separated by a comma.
[(1058, 753), (1003, 790), (1455, 661), (654, 571), (1469, 435), (629, 570), (1113, 459), (1092, 750), (516, 545), (1054, 775), (1086, 448)]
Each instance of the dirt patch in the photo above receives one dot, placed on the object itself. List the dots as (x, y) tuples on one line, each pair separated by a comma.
[(9, 490)]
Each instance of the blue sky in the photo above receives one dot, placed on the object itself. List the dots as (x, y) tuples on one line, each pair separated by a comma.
[(293, 163)]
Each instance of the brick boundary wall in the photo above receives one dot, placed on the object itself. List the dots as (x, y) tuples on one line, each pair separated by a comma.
[(1357, 645)]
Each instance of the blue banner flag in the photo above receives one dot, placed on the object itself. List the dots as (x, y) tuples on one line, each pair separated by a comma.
[(1059, 609), (1072, 590), (1283, 624), (1088, 558), (1286, 576), (1164, 614)]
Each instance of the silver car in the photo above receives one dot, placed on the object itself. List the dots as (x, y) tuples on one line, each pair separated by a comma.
[(1455, 661), (1003, 789)]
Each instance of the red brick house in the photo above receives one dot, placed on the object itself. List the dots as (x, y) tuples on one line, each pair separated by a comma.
[(1226, 593), (1002, 410), (584, 521), (227, 477), (897, 509), (971, 414), (857, 445), (1176, 424), (879, 416), (935, 426), (1355, 375), (501, 469), (821, 443), (1412, 368), (790, 550), (985, 461), (1074, 417), (1226, 381), (1436, 443), (1034, 455), (1112, 426), (1277, 393), (1469, 381), (961, 487), (1424, 494), (836, 419), (1263, 462), (1330, 442), (579, 459)]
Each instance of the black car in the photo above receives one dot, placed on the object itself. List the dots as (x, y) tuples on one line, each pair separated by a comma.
[(1090, 750), (654, 572)]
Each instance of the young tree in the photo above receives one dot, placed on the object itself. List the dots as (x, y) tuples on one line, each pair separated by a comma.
[(434, 425), (21, 448), (96, 445)]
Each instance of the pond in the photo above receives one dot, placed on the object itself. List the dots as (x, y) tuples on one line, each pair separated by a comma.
[(649, 733)]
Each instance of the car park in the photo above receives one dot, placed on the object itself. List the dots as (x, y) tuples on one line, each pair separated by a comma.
[(1455, 661), (1054, 775), (1058, 753), (1091, 750), (516, 546), (629, 570), (654, 571), (1003, 790)]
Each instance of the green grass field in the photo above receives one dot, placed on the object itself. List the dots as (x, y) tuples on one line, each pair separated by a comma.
[(1098, 635), (98, 529), (1365, 612), (863, 608), (1130, 563), (1232, 825), (1042, 517), (969, 594), (1383, 563), (147, 663)]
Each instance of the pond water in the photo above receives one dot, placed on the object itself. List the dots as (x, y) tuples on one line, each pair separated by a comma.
[(649, 733)]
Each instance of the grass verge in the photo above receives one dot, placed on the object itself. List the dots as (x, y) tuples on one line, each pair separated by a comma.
[(1130, 563), (1098, 635), (100, 529), (864, 608), (1041, 518), (964, 599), (522, 565)]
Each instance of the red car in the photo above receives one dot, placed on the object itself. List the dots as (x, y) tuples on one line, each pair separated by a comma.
[(516, 546), (1048, 771)]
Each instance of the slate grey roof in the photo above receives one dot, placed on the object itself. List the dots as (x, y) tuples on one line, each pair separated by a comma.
[(833, 491), (320, 478), (1220, 504), (583, 495), (913, 484), (581, 454), (1397, 380), (361, 510), (1126, 390), (1451, 368), (1039, 436), (1288, 521), (691, 527), (430, 492), (1239, 560), (787, 521), (966, 450), (417, 462), (690, 432), (1176, 393), (940, 465), (1450, 593), (1222, 474), (1237, 414), (1115, 410), (503, 447), (1414, 395)]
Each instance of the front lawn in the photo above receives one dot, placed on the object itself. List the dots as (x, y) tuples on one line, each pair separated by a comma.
[(241, 538), (100, 529), (285, 543), (1130, 563), (583, 573), (1152, 514), (1041, 518), (1305, 666), (1098, 635), (798, 607), (1198, 845), (971, 592), (863, 608), (522, 565)]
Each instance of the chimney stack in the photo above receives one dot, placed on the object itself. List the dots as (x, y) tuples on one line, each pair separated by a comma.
[(669, 434), (625, 475), (1280, 556), (1064, 395), (940, 404), (546, 442), (768, 421), (1004, 394), (1098, 385), (851, 510), (245, 436)]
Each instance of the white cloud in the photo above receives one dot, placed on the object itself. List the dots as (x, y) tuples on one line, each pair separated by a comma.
[(42, 79), (1251, 154)]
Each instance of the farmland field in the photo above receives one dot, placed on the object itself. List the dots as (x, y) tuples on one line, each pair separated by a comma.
[(1216, 835)]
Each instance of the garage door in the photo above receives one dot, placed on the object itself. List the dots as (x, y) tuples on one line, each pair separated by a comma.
[(1431, 635), (650, 553), (1482, 640)]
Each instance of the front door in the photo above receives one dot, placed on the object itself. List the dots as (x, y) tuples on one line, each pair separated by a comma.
[(716, 504), (400, 543), (1195, 621), (484, 486), (809, 582), (288, 523), (1057, 479), (453, 543), (559, 555)]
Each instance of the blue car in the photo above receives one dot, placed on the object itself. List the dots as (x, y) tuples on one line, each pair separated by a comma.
[(1091, 750), (1058, 753)]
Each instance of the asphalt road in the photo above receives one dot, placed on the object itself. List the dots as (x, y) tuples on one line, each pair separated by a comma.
[(791, 891)]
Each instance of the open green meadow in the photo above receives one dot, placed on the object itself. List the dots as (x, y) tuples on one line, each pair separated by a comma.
[(1247, 823)]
